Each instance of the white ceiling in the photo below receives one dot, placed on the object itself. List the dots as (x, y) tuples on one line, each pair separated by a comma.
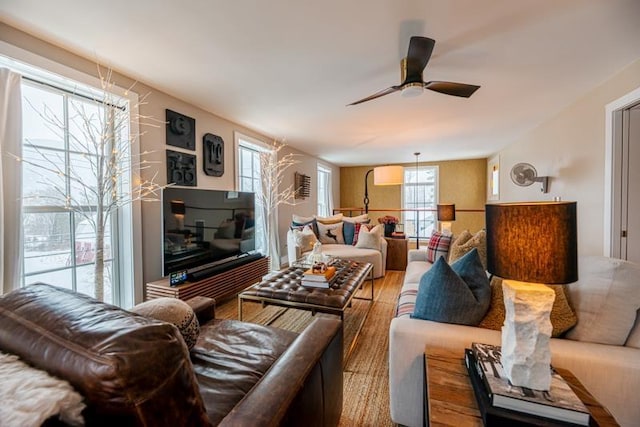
[(287, 68)]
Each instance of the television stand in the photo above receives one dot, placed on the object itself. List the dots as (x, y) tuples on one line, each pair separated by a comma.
[(220, 282)]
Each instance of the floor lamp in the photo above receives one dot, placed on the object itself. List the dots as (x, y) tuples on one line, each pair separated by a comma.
[(382, 175)]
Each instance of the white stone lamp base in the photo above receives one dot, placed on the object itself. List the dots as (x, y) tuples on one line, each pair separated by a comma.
[(526, 357)]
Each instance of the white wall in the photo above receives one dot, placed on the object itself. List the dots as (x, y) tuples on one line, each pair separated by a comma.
[(154, 140), (570, 148)]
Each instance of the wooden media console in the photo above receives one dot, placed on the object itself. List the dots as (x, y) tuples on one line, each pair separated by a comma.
[(218, 286)]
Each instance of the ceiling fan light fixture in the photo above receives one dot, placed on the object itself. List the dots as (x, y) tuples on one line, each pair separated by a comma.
[(411, 90)]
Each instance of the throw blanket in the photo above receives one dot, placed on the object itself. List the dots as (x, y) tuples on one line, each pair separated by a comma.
[(29, 396)]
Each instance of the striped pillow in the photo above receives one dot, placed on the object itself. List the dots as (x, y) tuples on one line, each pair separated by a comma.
[(438, 246)]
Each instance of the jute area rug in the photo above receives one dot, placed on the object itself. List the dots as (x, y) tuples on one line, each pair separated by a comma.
[(366, 374)]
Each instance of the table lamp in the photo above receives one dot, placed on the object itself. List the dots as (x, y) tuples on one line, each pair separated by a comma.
[(529, 245), (446, 214), (178, 209)]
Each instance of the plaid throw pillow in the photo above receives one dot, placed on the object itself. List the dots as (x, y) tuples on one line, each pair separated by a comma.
[(438, 246)]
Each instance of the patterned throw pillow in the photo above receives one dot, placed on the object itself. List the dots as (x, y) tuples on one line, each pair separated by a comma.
[(330, 233), (301, 225), (369, 238), (562, 316), (459, 293), (349, 228), (356, 231), (305, 238), (438, 246), (172, 310), (462, 246)]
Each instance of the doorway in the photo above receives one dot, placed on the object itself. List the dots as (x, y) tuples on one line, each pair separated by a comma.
[(624, 224)]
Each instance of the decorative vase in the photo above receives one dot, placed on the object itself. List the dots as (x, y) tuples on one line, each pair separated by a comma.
[(389, 229)]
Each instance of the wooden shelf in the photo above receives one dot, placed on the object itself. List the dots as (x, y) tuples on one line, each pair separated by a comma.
[(219, 286)]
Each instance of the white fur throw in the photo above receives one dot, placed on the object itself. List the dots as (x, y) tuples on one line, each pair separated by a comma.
[(29, 396)]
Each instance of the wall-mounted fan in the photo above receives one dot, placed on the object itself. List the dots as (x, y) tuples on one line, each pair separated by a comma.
[(524, 174)]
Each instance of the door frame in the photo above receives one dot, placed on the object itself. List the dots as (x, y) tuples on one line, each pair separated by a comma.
[(613, 162)]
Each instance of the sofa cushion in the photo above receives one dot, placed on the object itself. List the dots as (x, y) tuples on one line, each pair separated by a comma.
[(369, 238), (606, 298), (562, 316), (305, 238), (459, 293), (230, 357), (634, 336), (356, 232), (463, 245), (173, 311), (438, 246), (333, 219), (330, 233), (295, 225), (364, 218)]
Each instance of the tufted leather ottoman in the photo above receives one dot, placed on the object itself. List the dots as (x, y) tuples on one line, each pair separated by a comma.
[(284, 288)]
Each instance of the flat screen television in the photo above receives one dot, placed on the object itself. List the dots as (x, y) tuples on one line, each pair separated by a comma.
[(204, 228)]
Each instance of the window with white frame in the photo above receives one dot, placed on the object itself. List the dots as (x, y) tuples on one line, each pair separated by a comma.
[(420, 192), (58, 166), (324, 191), (249, 178)]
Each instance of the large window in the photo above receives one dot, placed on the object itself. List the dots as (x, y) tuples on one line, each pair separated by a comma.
[(61, 186), (420, 194), (249, 179), (324, 191)]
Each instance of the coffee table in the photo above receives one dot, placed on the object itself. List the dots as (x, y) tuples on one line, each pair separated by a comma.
[(284, 289)]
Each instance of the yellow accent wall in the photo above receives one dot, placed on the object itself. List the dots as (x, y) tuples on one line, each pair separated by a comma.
[(462, 182)]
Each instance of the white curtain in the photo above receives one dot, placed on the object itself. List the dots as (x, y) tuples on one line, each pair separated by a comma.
[(10, 180)]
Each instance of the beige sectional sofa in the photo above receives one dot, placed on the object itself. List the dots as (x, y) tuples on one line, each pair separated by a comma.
[(375, 256), (602, 350)]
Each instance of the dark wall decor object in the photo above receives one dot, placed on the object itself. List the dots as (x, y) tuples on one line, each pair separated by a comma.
[(181, 130), (181, 168), (302, 185), (213, 147)]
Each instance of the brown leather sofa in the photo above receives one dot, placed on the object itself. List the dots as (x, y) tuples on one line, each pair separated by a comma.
[(136, 371)]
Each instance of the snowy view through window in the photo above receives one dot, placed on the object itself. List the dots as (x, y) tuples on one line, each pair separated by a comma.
[(59, 244)]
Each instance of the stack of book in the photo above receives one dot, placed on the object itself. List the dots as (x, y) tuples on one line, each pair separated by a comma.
[(319, 280), (502, 404)]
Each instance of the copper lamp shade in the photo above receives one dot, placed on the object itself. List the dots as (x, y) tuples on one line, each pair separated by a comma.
[(533, 242), (447, 212)]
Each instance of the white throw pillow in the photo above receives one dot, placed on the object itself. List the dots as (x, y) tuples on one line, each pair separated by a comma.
[(369, 239), (331, 233), (305, 238), (606, 299), (356, 219)]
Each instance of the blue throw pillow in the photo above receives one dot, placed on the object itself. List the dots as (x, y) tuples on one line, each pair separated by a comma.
[(459, 293), (348, 230)]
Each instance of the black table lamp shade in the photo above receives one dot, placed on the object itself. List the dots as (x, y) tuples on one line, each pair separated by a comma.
[(178, 207), (447, 212), (533, 242)]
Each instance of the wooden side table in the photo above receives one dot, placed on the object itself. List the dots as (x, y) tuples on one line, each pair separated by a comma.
[(397, 250), (449, 398)]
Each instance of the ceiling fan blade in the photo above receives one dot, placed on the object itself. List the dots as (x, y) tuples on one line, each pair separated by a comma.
[(383, 92), (420, 50), (450, 88)]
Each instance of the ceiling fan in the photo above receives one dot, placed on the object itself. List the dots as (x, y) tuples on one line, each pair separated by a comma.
[(420, 49)]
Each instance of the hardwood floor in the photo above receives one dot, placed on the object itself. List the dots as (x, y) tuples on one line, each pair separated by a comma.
[(366, 374)]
